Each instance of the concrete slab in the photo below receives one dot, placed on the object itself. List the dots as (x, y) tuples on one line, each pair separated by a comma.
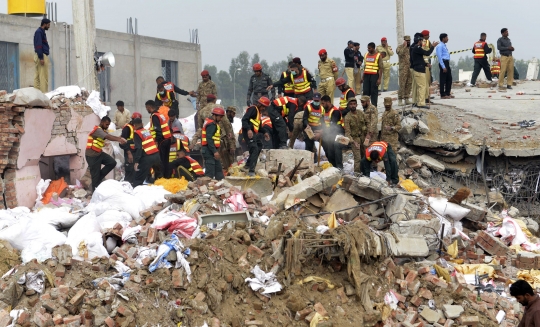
[(262, 186), (408, 245), (341, 199), (59, 146), (26, 180), (430, 316), (452, 311)]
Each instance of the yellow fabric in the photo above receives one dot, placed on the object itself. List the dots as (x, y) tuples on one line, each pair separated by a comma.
[(531, 276), (443, 272), (317, 279), (453, 250), (173, 185), (332, 221), (409, 185), (473, 268), (316, 320)]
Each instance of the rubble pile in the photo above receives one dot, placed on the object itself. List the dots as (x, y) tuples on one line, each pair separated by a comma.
[(330, 250)]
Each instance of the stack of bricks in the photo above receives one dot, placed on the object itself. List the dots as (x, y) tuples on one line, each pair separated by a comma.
[(491, 244), (527, 260)]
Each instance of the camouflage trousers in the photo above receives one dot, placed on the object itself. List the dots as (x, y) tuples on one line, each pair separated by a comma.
[(392, 139), (405, 83)]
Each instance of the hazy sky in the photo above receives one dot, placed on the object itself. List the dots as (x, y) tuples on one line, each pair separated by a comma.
[(302, 27)]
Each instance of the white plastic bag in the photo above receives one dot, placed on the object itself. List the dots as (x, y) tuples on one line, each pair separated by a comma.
[(448, 209), (110, 217), (86, 234), (41, 187), (94, 102), (60, 218), (150, 195), (114, 195)]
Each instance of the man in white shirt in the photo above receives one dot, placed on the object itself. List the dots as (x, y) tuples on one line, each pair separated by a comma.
[(122, 115)]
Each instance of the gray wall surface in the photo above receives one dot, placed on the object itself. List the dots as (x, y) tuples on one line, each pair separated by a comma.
[(138, 61)]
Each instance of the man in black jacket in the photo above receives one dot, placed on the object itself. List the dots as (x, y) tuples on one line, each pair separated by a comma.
[(349, 54), (418, 65)]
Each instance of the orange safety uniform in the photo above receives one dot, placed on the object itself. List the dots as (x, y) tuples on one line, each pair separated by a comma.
[(148, 144), (95, 143), (216, 137), (164, 123), (372, 63), (380, 146)]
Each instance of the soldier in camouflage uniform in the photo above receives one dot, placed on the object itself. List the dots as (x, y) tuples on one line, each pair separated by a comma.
[(228, 144), (355, 130), (390, 124), (258, 84), (205, 88), (405, 77), (371, 115)]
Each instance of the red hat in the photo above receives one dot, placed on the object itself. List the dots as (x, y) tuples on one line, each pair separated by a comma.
[(340, 81), (425, 32), (384, 38), (297, 60), (257, 66), (136, 115), (218, 111), (204, 73), (264, 101), (210, 97), (322, 51)]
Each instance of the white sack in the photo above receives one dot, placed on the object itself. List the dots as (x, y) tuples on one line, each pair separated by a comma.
[(31, 97), (87, 231), (60, 218), (150, 195), (114, 195), (448, 209)]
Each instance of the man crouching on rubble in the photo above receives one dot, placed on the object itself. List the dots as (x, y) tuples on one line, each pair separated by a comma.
[(525, 295), (375, 153)]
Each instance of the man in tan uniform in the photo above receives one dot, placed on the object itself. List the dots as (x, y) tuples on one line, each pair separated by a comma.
[(355, 130), (371, 116), (426, 45), (385, 48), (328, 72), (405, 76), (390, 124)]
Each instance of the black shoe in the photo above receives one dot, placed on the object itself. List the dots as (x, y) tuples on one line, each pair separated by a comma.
[(509, 87), (423, 107)]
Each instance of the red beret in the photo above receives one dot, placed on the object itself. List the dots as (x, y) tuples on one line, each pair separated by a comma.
[(322, 51), (210, 97), (425, 32), (383, 39), (204, 73), (297, 60)]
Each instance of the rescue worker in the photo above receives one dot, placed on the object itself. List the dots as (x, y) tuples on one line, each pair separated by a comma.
[(405, 77), (496, 68), (127, 133), (371, 116), (381, 151), (266, 132), (372, 73), (179, 142), (333, 121), (314, 119), (258, 84), (159, 128), (187, 167), (302, 80), (355, 131), (390, 124), (346, 93), (385, 48), (350, 62), (146, 154), (166, 93), (296, 118), (284, 105), (278, 124), (287, 89), (170, 87), (328, 72), (426, 45), (207, 86), (95, 157), (480, 51), (251, 122), (211, 142)]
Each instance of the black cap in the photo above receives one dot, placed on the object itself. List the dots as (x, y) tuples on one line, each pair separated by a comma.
[(45, 21), (350, 41)]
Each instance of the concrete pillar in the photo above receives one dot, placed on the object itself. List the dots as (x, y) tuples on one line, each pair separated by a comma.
[(139, 101), (400, 21), (532, 70), (84, 28)]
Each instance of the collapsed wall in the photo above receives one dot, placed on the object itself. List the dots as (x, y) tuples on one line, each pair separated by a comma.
[(27, 134)]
